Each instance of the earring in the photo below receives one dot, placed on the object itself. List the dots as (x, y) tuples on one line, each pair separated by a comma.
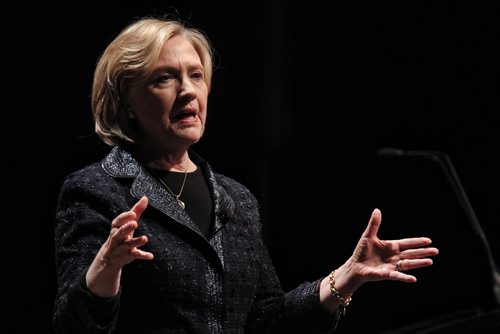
[(131, 114)]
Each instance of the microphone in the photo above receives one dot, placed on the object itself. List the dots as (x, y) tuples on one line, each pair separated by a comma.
[(448, 168), (391, 151), (442, 159)]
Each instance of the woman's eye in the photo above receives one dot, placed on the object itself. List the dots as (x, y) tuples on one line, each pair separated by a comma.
[(197, 75), (164, 78)]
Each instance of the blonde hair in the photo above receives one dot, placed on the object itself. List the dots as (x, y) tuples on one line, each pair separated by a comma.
[(127, 60)]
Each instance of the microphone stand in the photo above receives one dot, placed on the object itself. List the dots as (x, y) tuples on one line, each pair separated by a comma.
[(446, 164)]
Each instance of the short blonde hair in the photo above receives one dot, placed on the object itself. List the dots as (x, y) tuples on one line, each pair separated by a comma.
[(129, 58)]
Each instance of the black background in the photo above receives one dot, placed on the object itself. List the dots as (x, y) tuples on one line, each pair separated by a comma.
[(303, 96)]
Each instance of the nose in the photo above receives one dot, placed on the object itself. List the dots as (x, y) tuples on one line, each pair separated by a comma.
[(186, 90)]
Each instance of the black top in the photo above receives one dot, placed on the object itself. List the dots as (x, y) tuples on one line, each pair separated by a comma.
[(195, 195)]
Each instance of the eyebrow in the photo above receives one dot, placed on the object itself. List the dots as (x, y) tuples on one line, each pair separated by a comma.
[(169, 68)]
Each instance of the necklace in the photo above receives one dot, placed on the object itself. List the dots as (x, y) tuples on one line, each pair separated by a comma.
[(181, 203)]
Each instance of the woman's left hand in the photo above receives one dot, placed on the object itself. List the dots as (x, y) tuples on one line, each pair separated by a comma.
[(374, 259)]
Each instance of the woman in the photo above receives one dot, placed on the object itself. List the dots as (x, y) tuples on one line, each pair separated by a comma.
[(152, 240)]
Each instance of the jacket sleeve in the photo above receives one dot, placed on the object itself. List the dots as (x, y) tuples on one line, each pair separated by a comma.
[(296, 311), (82, 224)]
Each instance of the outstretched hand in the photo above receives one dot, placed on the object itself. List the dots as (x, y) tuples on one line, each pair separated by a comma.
[(374, 259)]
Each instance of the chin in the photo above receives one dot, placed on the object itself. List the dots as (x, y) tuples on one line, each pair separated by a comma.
[(194, 138)]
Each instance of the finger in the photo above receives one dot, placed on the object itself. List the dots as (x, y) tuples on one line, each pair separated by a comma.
[(141, 255), (136, 252), (373, 224), (122, 219), (133, 213), (400, 276), (409, 243), (136, 242), (140, 206), (418, 253), (415, 264), (123, 233)]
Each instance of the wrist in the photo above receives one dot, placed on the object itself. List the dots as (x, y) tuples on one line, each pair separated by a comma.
[(103, 281), (347, 278), (343, 299)]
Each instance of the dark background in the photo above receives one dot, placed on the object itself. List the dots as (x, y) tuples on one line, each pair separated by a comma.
[(303, 96)]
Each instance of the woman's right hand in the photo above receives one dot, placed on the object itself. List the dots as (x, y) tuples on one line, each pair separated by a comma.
[(121, 248)]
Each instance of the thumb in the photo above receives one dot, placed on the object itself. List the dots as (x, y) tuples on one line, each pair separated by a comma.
[(373, 224)]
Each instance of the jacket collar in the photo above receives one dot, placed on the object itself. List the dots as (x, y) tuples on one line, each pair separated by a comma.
[(120, 163)]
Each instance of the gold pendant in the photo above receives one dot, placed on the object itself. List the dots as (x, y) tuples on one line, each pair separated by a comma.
[(181, 203)]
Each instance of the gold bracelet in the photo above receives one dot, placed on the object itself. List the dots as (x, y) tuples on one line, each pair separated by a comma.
[(344, 302)]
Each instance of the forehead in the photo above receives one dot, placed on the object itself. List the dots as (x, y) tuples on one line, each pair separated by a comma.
[(178, 51)]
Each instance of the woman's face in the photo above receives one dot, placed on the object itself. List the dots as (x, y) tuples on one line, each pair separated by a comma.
[(171, 105)]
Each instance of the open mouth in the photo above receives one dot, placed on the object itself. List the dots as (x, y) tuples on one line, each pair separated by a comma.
[(184, 115)]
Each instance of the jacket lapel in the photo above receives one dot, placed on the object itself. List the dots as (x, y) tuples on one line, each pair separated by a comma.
[(120, 164)]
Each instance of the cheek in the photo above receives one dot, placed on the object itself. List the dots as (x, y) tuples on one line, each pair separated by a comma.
[(157, 106), (203, 104), (203, 113)]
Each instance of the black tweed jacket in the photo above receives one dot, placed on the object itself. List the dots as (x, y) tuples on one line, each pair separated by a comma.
[(223, 284)]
